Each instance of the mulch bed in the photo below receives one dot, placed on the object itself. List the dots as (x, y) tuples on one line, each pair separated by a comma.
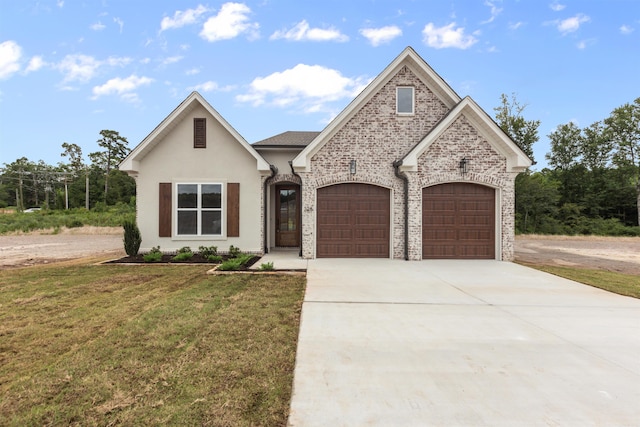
[(168, 259)]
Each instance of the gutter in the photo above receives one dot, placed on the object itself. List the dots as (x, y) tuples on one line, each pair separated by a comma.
[(274, 171), (299, 213), (405, 179)]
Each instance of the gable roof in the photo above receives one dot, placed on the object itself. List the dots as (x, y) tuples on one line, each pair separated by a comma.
[(517, 160), (407, 57), (288, 139), (131, 162)]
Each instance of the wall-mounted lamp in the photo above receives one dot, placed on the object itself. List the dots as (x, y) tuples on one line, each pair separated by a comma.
[(463, 165), (352, 167)]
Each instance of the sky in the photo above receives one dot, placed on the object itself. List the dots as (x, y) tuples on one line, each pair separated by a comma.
[(69, 69)]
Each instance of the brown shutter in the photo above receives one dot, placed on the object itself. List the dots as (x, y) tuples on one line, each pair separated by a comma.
[(199, 133), (164, 210), (233, 209)]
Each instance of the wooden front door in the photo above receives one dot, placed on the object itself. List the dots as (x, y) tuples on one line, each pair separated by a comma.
[(287, 215)]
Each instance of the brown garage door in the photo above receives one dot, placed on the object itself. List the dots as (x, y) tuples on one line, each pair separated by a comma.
[(353, 221), (458, 221)]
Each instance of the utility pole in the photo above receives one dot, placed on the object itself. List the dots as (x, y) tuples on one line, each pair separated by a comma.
[(86, 189)]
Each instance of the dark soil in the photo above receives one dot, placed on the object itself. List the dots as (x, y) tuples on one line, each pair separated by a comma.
[(168, 259)]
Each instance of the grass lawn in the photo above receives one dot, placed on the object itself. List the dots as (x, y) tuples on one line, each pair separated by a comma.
[(146, 345), (619, 283)]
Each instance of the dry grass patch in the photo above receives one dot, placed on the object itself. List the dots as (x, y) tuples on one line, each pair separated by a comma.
[(105, 345)]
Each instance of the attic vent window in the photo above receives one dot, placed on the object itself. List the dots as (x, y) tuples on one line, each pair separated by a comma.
[(199, 133), (404, 100)]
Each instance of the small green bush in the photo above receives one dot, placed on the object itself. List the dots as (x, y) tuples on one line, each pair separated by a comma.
[(132, 239), (75, 223), (235, 263), (183, 254), (266, 266), (207, 251), (215, 258), (234, 252), (154, 255)]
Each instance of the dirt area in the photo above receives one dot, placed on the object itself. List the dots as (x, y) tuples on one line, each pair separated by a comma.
[(619, 254), (43, 247)]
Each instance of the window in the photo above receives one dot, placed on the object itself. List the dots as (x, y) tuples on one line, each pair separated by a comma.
[(199, 133), (199, 209), (404, 100)]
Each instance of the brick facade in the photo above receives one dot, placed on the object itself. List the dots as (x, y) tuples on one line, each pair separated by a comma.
[(375, 136)]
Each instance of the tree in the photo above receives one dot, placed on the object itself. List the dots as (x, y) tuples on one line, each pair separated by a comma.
[(74, 153), (116, 150), (623, 128), (523, 132), (566, 142)]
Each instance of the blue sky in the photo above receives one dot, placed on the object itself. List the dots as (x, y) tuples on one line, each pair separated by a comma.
[(69, 69)]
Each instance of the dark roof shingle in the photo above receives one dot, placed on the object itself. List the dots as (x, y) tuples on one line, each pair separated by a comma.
[(288, 139)]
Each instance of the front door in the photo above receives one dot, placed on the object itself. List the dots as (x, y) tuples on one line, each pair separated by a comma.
[(287, 214)]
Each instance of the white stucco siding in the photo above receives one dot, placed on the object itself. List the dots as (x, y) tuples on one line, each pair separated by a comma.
[(224, 160)]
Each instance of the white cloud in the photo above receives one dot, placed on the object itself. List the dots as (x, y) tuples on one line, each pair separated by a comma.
[(626, 29), (60, 3), (124, 87), (495, 11), (308, 87), (378, 36), (572, 24), (120, 23), (78, 67), (192, 71), (10, 54), (172, 60), (557, 7), (83, 68), (231, 21), (447, 36), (98, 26), (302, 31), (182, 18), (515, 25), (211, 86), (35, 64)]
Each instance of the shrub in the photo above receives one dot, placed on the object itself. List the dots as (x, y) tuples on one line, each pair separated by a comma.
[(215, 258), (183, 254), (132, 239), (154, 255), (234, 252), (266, 266), (235, 263), (75, 223), (206, 252)]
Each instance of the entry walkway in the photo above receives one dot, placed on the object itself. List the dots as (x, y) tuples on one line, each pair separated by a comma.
[(462, 343), (283, 259)]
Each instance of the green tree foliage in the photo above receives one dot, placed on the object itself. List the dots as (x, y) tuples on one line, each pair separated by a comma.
[(115, 150), (623, 129), (523, 132)]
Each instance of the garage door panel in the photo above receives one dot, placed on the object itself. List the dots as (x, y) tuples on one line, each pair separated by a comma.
[(353, 221), (461, 214)]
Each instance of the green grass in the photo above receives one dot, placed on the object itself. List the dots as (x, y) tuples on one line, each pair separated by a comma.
[(619, 283), (114, 216), (146, 345)]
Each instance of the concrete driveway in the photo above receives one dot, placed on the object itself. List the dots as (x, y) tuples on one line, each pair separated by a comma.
[(462, 343)]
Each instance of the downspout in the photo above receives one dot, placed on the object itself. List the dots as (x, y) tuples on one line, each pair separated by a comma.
[(274, 171), (300, 213), (405, 179)]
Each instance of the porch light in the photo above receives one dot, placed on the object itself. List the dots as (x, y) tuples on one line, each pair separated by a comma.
[(352, 167), (463, 165)]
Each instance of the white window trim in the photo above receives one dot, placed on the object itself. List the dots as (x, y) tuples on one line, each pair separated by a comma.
[(222, 210), (413, 101)]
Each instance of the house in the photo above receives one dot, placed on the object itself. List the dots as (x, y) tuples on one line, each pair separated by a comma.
[(407, 170)]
